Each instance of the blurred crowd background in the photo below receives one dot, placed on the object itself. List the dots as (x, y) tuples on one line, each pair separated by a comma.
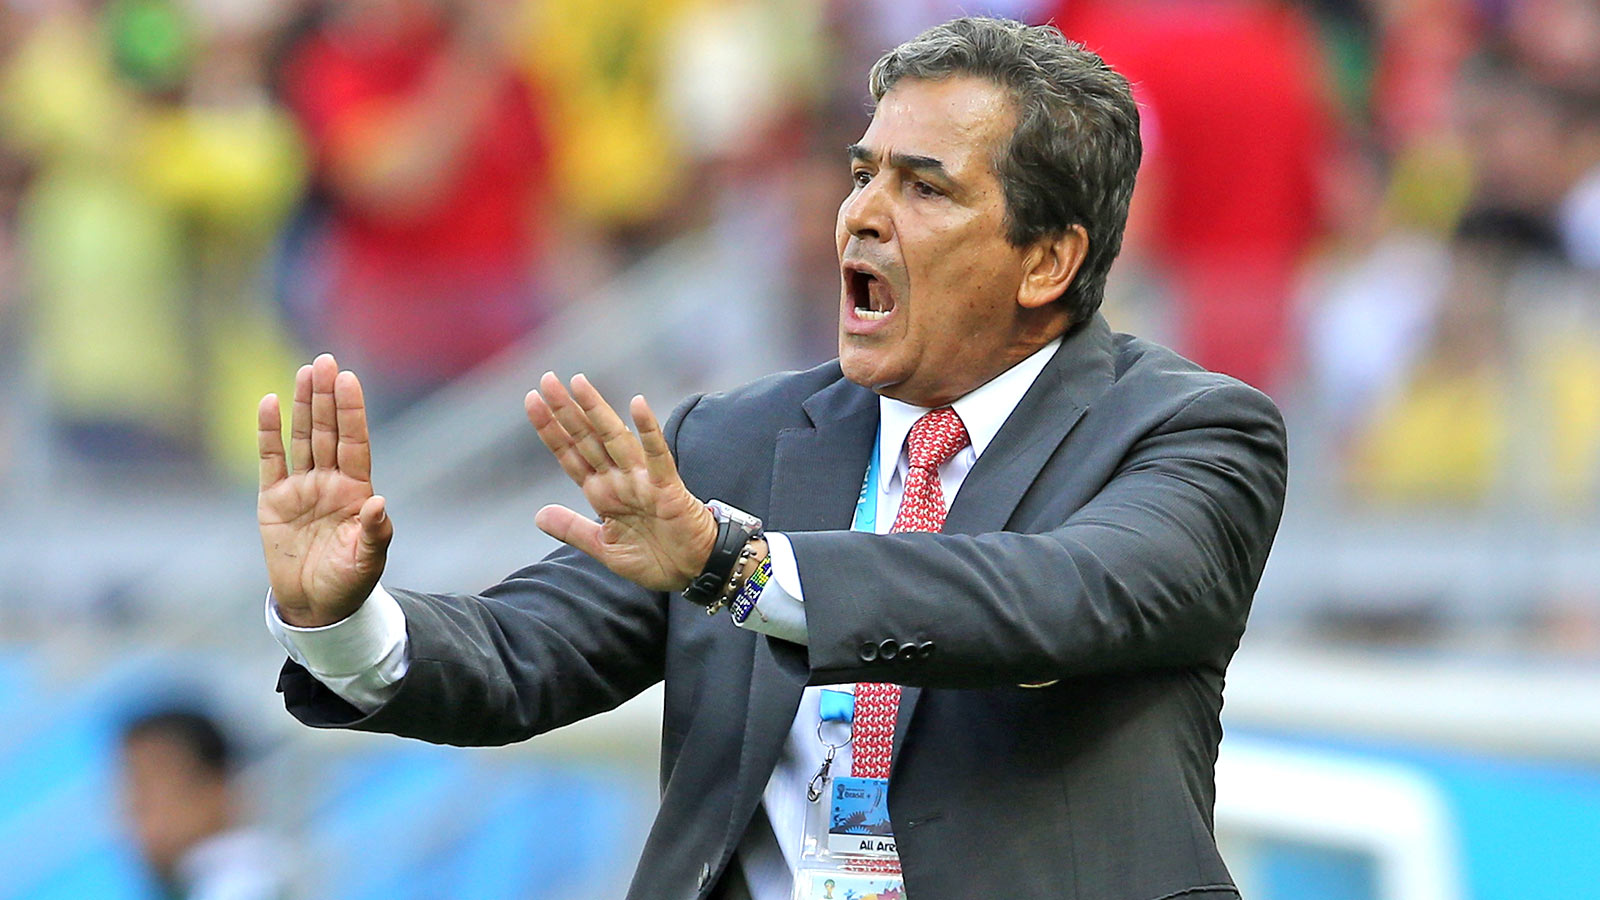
[(1384, 213)]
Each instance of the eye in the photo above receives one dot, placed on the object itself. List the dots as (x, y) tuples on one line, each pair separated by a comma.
[(860, 177), (925, 190)]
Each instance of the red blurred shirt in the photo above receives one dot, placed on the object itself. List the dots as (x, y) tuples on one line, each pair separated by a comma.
[(425, 296), (1244, 132)]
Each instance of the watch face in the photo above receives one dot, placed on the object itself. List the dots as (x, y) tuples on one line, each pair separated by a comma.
[(735, 514)]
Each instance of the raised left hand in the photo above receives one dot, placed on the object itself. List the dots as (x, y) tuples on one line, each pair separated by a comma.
[(652, 531)]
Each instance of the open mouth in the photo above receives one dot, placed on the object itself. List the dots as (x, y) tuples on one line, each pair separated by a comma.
[(870, 295)]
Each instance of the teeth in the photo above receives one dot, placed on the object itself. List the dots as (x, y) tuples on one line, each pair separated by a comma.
[(870, 296), (876, 301)]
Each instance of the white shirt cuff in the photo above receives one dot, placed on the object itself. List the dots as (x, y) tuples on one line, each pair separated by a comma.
[(361, 658), (780, 610)]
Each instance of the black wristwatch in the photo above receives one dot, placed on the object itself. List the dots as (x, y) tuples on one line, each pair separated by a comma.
[(735, 530)]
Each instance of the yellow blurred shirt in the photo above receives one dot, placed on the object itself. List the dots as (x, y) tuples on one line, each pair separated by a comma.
[(616, 160)]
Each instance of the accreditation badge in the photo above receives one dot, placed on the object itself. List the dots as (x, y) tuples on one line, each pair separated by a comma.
[(858, 820), (848, 850), (849, 886)]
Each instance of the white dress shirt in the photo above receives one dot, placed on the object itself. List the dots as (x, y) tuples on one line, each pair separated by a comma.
[(362, 658)]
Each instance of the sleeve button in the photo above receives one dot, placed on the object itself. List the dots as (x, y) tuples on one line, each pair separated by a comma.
[(925, 649), (868, 652), (888, 650)]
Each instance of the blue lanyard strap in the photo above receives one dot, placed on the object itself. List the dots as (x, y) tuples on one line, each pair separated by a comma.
[(867, 501), (836, 705)]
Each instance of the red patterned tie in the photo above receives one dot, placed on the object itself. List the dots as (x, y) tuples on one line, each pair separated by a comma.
[(935, 439)]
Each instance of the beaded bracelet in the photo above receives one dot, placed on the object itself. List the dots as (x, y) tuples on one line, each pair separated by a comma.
[(735, 583), (745, 603)]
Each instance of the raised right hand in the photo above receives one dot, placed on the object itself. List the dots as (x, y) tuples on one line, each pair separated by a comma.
[(324, 533)]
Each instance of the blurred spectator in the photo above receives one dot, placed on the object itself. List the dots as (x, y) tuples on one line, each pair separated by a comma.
[(1528, 143), (1440, 435), (102, 253), (431, 149), (617, 167), (182, 805), (1501, 400), (774, 48), (1242, 136), (1467, 372), (232, 163), (1421, 47), (1535, 149), (1558, 41), (158, 178), (746, 143)]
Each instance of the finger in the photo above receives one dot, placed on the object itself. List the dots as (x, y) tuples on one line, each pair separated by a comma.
[(377, 529), (575, 421), (619, 442), (324, 416), (555, 438), (658, 456), (300, 424), (571, 529), (269, 442), (350, 412)]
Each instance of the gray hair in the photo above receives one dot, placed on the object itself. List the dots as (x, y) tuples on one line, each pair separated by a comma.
[(1075, 151)]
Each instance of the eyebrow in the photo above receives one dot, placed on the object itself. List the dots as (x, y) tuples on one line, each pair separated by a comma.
[(900, 160)]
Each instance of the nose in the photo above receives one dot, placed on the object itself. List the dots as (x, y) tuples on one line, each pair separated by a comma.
[(865, 213)]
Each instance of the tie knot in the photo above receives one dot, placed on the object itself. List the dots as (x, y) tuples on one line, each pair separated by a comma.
[(935, 438)]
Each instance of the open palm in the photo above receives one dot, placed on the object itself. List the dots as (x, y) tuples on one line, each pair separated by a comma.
[(324, 532), (652, 530)]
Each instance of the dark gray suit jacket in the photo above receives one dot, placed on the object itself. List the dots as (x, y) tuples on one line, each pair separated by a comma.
[(1110, 537)]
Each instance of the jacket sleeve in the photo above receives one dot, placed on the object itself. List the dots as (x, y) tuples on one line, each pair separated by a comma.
[(555, 642), (1156, 570)]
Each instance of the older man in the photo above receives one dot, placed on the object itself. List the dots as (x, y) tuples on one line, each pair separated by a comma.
[(1003, 559)]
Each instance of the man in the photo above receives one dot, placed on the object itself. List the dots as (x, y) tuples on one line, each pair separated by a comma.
[(177, 777), (1103, 510)]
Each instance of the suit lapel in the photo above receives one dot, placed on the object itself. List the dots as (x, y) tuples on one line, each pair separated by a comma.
[(817, 471), (1079, 372), (816, 480), (817, 474)]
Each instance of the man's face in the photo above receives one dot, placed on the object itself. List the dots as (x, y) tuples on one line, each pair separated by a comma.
[(172, 802), (928, 307)]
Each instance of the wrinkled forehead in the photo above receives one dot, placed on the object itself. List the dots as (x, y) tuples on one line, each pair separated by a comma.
[(964, 121)]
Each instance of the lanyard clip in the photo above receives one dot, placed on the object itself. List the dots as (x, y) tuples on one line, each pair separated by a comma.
[(814, 789)]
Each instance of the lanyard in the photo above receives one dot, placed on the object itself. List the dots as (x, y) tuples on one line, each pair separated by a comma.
[(867, 502), (834, 705)]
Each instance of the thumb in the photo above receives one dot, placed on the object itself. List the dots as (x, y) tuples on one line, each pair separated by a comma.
[(377, 529), (570, 528)]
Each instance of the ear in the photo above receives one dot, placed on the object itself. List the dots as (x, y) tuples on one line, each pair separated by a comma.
[(1050, 266)]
